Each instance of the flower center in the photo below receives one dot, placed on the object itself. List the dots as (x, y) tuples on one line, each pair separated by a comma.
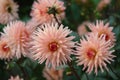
[(8, 8), (24, 35), (52, 10), (5, 48), (42, 12), (91, 53), (53, 46), (106, 35)]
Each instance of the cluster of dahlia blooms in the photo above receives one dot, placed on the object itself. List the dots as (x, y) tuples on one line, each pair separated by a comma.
[(51, 43), (95, 49)]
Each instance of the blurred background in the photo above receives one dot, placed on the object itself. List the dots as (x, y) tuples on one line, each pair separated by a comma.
[(78, 14)]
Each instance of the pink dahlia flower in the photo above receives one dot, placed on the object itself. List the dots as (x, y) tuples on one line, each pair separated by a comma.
[(102, 4), (15, 78), (42, 8), (52, 74), (94, 52), (5, 51), (82, 30), (103, 29), (52, 44), (8, 11), (17, 35)]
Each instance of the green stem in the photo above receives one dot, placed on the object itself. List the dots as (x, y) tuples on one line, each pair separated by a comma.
[(87, 76), (56, 19), (114, 72), (73, 70), (25, 74)]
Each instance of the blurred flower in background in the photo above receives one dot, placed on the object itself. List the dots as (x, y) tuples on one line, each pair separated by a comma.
[(103, 29), (15, 78), (52, 74), (82, 29), (102, 4), (8, 11), (44, 10)]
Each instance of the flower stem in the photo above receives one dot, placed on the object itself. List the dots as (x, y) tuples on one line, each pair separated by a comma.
[(49, 75), (56, 19), (114, 72), (87, 76), (73, 70), (22, 69)]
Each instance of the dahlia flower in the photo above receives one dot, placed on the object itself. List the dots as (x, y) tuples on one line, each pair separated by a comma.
[(94, 52), (17, 37), (82, 28), (42, 10), (52, 43), (8, 11), (15, 78), (52, 74), (101, 29), (5, 51), (102, 4)]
